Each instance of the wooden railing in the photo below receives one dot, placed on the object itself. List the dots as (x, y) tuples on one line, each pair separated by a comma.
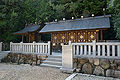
[(0, 46), (35, 48), (97, 49)]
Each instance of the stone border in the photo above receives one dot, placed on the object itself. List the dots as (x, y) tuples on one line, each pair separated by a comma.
[(88, 75), (71, 76)]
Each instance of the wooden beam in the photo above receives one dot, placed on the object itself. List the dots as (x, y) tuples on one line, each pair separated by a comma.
[(101, 35)]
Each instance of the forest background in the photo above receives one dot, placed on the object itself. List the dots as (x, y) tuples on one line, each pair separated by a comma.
[(15, 14)]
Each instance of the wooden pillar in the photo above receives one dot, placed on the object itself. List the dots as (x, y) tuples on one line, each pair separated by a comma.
[(101, 35), (33, 35), (29, 37), (22, 38)]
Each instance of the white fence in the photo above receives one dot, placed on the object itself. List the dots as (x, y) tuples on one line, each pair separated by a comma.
[(36, 48), (0, 46), (97, 49)]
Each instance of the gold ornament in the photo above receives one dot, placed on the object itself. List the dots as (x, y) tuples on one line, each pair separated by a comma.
[(72, 37), (81, 37), (63, 37), (55, 37), (97, 30), (92, 36)]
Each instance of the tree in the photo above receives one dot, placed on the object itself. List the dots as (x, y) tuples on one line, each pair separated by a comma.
[(116, 17), (77, 8), (15, 14), (114, 8), (9, 19)]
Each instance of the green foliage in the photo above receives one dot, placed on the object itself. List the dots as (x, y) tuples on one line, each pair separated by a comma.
[(117, 25), (115, 8), (76, 8), (15, 14), (9, 19)]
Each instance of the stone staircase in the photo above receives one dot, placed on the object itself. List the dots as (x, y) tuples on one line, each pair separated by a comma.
[(3, 54), (53, 61)]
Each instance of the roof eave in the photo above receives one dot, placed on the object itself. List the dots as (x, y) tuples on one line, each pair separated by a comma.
[(75, 30)]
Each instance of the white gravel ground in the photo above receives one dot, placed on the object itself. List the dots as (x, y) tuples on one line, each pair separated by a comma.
[(92, 77), (27, 72)]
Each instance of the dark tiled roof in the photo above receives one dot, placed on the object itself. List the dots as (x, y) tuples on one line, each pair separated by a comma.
[(78, 24), (29, 28)]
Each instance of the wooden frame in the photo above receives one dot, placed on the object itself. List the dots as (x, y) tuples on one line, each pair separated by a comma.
[(75, 36)]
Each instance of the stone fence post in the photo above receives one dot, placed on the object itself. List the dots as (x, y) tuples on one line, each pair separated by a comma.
[(34, 47), (49, 48), (0, 46), (70, 42), (21, 47), (67, 59), (11, 46), (94, 48)]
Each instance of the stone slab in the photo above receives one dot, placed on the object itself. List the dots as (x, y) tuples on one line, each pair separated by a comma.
[(67, 70)]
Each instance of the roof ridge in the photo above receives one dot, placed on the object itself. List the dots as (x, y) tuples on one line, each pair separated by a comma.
[(79, 19)]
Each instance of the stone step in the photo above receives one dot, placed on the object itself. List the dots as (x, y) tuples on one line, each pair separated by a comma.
[(54, 56), (52, 62), (3, 54), (50, 65), (54, 59)]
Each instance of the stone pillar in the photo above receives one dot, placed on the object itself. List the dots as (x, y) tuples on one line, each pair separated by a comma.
[(69, 42), (33, 47), (49, 48), (21, 47), (0, 46), (11, 46), (94, 48), (67, 59)]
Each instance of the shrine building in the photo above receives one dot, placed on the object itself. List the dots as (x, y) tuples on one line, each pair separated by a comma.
[(77, 30)]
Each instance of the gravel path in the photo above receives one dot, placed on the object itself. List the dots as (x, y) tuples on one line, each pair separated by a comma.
[(92, 77), (27, 72)]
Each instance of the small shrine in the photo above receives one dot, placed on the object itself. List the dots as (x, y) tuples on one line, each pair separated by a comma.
[(30, 33)]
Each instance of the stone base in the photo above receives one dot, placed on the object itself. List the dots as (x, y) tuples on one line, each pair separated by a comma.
[(21, 58), (67, 70), (98, 66)]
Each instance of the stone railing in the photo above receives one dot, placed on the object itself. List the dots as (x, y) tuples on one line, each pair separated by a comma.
[(34, 48), (0, 46), (96, 58), (97, 49)]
